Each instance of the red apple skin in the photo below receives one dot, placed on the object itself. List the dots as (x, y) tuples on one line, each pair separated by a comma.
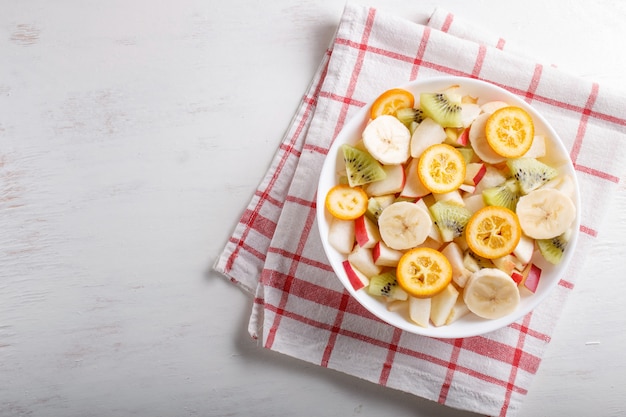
[(353, 276), (365, 232), (383, 256), (464, 137), (532, 280), (517, 277), (413, 187), (478, 175), (394, 183), (376, 252)]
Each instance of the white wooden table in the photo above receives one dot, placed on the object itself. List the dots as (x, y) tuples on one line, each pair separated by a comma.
[(132, 135)]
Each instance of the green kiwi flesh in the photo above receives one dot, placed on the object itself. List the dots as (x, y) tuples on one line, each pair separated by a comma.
[(503, 195), (410, 115), (440, 108), (361, 167), (450, 218), (386, 285), (374, 208), (530, 173), (552, 249)]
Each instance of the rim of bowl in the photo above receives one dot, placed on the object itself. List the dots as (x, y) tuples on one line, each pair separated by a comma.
[(471, 326)]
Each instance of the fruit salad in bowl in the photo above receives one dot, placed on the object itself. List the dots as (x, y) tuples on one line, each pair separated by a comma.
[(448, 207)]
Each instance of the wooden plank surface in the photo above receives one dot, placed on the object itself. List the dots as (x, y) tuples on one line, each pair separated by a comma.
[(132, 134)]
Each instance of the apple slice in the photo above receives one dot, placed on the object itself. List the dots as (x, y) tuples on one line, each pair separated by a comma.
[(356, 277), (467, 189), (474, 172), (391, 184), (524, 249), (413, 187), (341, 235), (459, 310), (419, 310), (426, 134), (492, 106), (463, 139), (505, 263), (474, 202), (383, 255), (517, 277), (366, 232), (491, 178), (452, 197), (452, 135), (363, 260), (462, 242), (537, 148), (460, 274), (457, 137), (531, 280), (469, 113), (442, 304), (396, 306), (431, 243)]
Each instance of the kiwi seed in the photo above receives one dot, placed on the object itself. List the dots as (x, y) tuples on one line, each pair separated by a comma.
[(441, 109), (552, 249), (530, 173), (361, 167), (504, 195), (450, 218)]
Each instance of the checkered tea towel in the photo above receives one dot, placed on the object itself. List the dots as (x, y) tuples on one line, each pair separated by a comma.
[(300, 307)]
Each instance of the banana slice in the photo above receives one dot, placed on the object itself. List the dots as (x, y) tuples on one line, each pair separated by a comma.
[(387, 139), (490, 293), (404, 225), (545, 213)]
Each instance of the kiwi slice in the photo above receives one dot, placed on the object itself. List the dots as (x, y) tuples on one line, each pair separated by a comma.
[(374, 208), (361, 167), (376, 205), (474, 262), (409, 115), (440, 108), (450, 218), (530, 173), (386, 285), (503, 195), (553, 249)]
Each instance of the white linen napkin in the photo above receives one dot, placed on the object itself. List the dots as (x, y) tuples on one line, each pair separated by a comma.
[(300, 307)]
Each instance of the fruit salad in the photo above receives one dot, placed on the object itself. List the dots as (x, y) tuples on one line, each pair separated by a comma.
[(448, 206)]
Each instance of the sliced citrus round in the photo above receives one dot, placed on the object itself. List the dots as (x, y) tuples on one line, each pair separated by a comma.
[(391, 101), (441, 168), (510, 131), (345, 202), (493, 232), (423, 272)]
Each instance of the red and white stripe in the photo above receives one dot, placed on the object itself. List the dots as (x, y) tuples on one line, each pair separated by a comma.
[(275, 252)]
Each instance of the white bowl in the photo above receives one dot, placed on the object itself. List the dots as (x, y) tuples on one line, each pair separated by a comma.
[(470, 324)]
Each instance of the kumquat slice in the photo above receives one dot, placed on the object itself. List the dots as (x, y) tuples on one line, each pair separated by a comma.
[(345, 202), (493, 232), (423, 272), (510, 131)]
